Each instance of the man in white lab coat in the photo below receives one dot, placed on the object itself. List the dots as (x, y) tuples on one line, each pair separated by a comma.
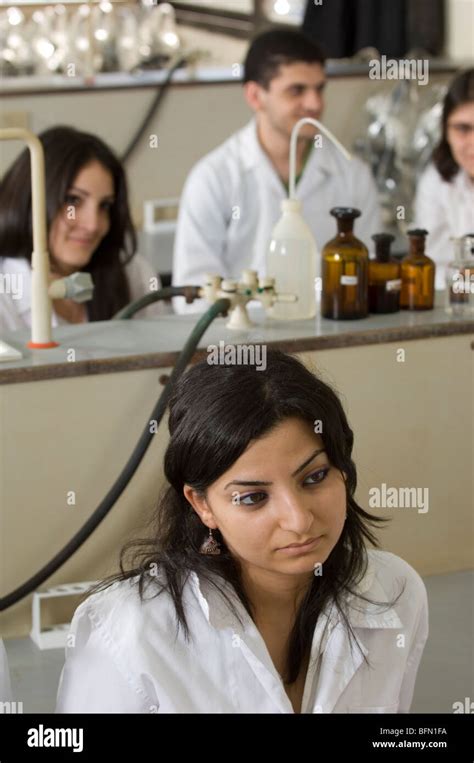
[(231, 199)]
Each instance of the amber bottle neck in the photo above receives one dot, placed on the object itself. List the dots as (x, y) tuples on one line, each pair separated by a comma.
[(382, 253), (417, 246), (345, 226)]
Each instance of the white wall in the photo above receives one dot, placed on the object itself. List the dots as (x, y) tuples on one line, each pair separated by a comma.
[(460, 29), (192, 121)]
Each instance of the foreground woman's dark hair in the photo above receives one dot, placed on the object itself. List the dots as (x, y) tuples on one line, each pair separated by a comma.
[(215, 412)]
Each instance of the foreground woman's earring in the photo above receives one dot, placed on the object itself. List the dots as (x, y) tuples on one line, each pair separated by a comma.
[(210, 546)]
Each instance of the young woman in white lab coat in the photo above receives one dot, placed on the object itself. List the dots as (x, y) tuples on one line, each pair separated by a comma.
[(263, 625), (89, 228), (444, 203)]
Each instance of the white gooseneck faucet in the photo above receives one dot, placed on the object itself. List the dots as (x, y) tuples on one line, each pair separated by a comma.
[(40, 302), (294, 138)]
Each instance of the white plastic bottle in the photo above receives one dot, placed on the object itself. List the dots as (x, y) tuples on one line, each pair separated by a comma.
[(293, 261)]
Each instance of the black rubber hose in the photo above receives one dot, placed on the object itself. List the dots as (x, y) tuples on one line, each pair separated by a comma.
[(221, 306), (190, 292)]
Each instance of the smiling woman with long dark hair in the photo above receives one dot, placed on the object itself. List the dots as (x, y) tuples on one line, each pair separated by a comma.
[(89, 228), (256, 590)]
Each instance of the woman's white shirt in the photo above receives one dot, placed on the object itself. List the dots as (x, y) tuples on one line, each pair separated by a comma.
[(125, 656), (15, 291), (5, 687), (444, 209)]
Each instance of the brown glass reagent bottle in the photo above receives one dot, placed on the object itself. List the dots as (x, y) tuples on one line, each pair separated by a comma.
[(418, 275), (384, 277), (345, 265)]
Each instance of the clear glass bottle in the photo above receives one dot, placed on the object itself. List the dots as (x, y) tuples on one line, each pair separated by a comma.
[(292, 260), (460, 277), (345, 265), (384, 277), (418, 274)]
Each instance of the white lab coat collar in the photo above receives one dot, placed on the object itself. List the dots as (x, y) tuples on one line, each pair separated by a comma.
[(213, 605), (322, 162), (340, 657), (465, 183), (360, 614)]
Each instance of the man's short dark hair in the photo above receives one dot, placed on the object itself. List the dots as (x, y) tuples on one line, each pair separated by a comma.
[(275, 48)]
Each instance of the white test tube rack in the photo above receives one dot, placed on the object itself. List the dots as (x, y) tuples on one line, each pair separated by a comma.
[(54, 636)]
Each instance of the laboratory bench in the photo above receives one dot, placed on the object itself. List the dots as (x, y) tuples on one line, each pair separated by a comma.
[(115, 346), (69, 426)]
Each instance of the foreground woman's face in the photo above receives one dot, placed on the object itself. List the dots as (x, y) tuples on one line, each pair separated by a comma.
[(281, 491), (83, 221)]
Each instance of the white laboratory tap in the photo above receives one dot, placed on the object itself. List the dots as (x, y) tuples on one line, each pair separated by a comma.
[(240, 293)]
